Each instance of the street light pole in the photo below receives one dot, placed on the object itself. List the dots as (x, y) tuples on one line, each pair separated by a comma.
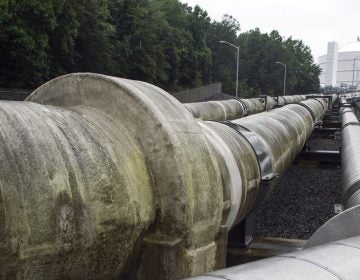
[(237, 66), (283, 64), (352, 83)]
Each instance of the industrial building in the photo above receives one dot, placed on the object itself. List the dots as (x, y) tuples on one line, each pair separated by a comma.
[(340, 66)]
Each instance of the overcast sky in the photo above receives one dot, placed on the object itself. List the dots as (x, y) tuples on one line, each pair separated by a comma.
[(316, 22)]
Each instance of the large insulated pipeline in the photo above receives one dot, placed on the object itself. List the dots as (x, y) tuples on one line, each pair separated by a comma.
[(333, 261), (253, 106), (256, 149), (290, 99), (333, 252), (222, 110), (350, 157), (346, 223), (108, 178), (226, 109)]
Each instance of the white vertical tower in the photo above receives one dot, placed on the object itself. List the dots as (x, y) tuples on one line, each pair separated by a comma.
[(331, 64)]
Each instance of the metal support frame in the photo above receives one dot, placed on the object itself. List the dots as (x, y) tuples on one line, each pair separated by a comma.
[(319, 155), (325, 132), (265, 98), (331, 124)]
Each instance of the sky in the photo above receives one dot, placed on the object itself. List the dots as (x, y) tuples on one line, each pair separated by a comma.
[(315, 22)]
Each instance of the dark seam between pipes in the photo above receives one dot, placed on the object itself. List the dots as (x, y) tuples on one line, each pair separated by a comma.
[(346, 245), (314, 263), (218, 276)]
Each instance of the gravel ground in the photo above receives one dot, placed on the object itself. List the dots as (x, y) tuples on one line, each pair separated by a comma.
[(303, 200), (324, 144)]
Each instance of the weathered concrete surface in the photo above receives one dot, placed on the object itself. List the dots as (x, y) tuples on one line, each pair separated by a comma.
[(217, 110), (71, 184), (284, 131), (185, 177), (240, 170), (253, 105)]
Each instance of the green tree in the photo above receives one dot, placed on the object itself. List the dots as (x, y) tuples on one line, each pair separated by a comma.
[(93, 45), (63, 37), (223, 57), (164, 42), (24, 29)]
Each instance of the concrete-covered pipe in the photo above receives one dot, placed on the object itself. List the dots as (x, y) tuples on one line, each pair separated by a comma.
[(332, 261), (232, 109), (253, 106), (217, 110), (283, 130), (289, 99), (275, 138), (104, 173), (225, 109), (270, 102), (64, 176), (240, 170), (316, 108)]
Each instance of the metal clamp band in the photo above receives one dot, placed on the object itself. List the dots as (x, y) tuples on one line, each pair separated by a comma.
[(309, 109), (264, 159), (350, 123), (344, 111), (246, 109)]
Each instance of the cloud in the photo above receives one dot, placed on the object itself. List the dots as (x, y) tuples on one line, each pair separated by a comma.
[(314, 21)]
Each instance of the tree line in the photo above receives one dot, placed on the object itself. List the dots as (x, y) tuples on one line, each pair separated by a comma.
[(164, 42)]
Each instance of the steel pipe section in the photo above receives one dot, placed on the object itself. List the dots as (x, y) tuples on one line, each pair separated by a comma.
[(344, 224), (350, 155), (100, 173), (337, 260)]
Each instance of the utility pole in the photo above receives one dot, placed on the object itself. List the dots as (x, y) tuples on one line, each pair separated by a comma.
[(237, 66), (283, 64)]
